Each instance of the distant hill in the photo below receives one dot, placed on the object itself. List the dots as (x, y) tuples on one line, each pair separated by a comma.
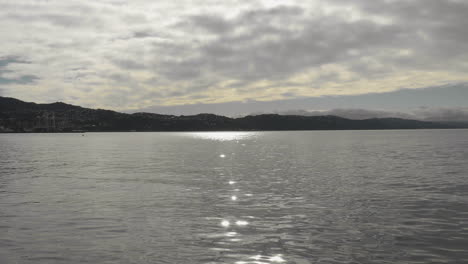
[(19, 116)]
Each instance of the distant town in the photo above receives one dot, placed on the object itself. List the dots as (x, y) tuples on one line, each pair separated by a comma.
[(43, 122)]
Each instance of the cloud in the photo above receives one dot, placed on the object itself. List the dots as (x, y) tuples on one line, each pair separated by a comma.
[(406, 103), (211, 23), (458, 114), (128, 64), (177, 52), (279, 42), (5, 62), (23, 79), (351, 113)]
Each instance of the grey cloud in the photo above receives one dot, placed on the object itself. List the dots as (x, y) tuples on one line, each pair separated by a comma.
[(351, 113), (137, 18), (184, 70), (129, 64), (204, 50), (211, 23), (143, 34), (280, 14), (289, 94), (23, 79), (175, 93), (196, 97), (459, 114), (119, 77), (117, 98), (267, 48), (439, 27), (190, 91), (5, 61), (63, 20), (404, 103)]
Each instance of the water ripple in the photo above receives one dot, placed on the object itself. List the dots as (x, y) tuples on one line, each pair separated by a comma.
[(269, 197)]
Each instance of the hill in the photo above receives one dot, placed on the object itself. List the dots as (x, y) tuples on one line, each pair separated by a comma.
[(19, 116)]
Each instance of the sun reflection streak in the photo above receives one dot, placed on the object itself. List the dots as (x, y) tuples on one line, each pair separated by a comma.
[(261, 259), (231, 234), (223, 136), (241, 223), (225, 223), (277, 258)]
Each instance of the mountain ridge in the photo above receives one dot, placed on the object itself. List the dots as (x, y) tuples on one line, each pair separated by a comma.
[(20, 116)]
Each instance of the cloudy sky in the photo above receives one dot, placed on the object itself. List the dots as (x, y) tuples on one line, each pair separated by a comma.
[(233, 57)]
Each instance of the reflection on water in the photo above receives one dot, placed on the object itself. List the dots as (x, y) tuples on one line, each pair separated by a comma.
[(225, 223), (241, 223), (223, 136), (259, 259), (289, 197), (231, 234)]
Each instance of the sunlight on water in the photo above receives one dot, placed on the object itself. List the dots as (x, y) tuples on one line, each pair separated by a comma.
[(304, 197), (277, 258), (222, 136), (225, 223), (261, 259), (231, 234), (241, 223)]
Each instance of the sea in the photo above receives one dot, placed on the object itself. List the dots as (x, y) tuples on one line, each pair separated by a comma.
[(388, 196)]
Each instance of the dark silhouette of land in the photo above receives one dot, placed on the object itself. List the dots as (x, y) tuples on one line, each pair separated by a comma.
[(19, 116)]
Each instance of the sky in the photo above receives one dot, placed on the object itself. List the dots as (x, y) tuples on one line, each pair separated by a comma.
[(237, 57)]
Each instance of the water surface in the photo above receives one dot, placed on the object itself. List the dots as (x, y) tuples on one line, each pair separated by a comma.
[(235, 197)]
